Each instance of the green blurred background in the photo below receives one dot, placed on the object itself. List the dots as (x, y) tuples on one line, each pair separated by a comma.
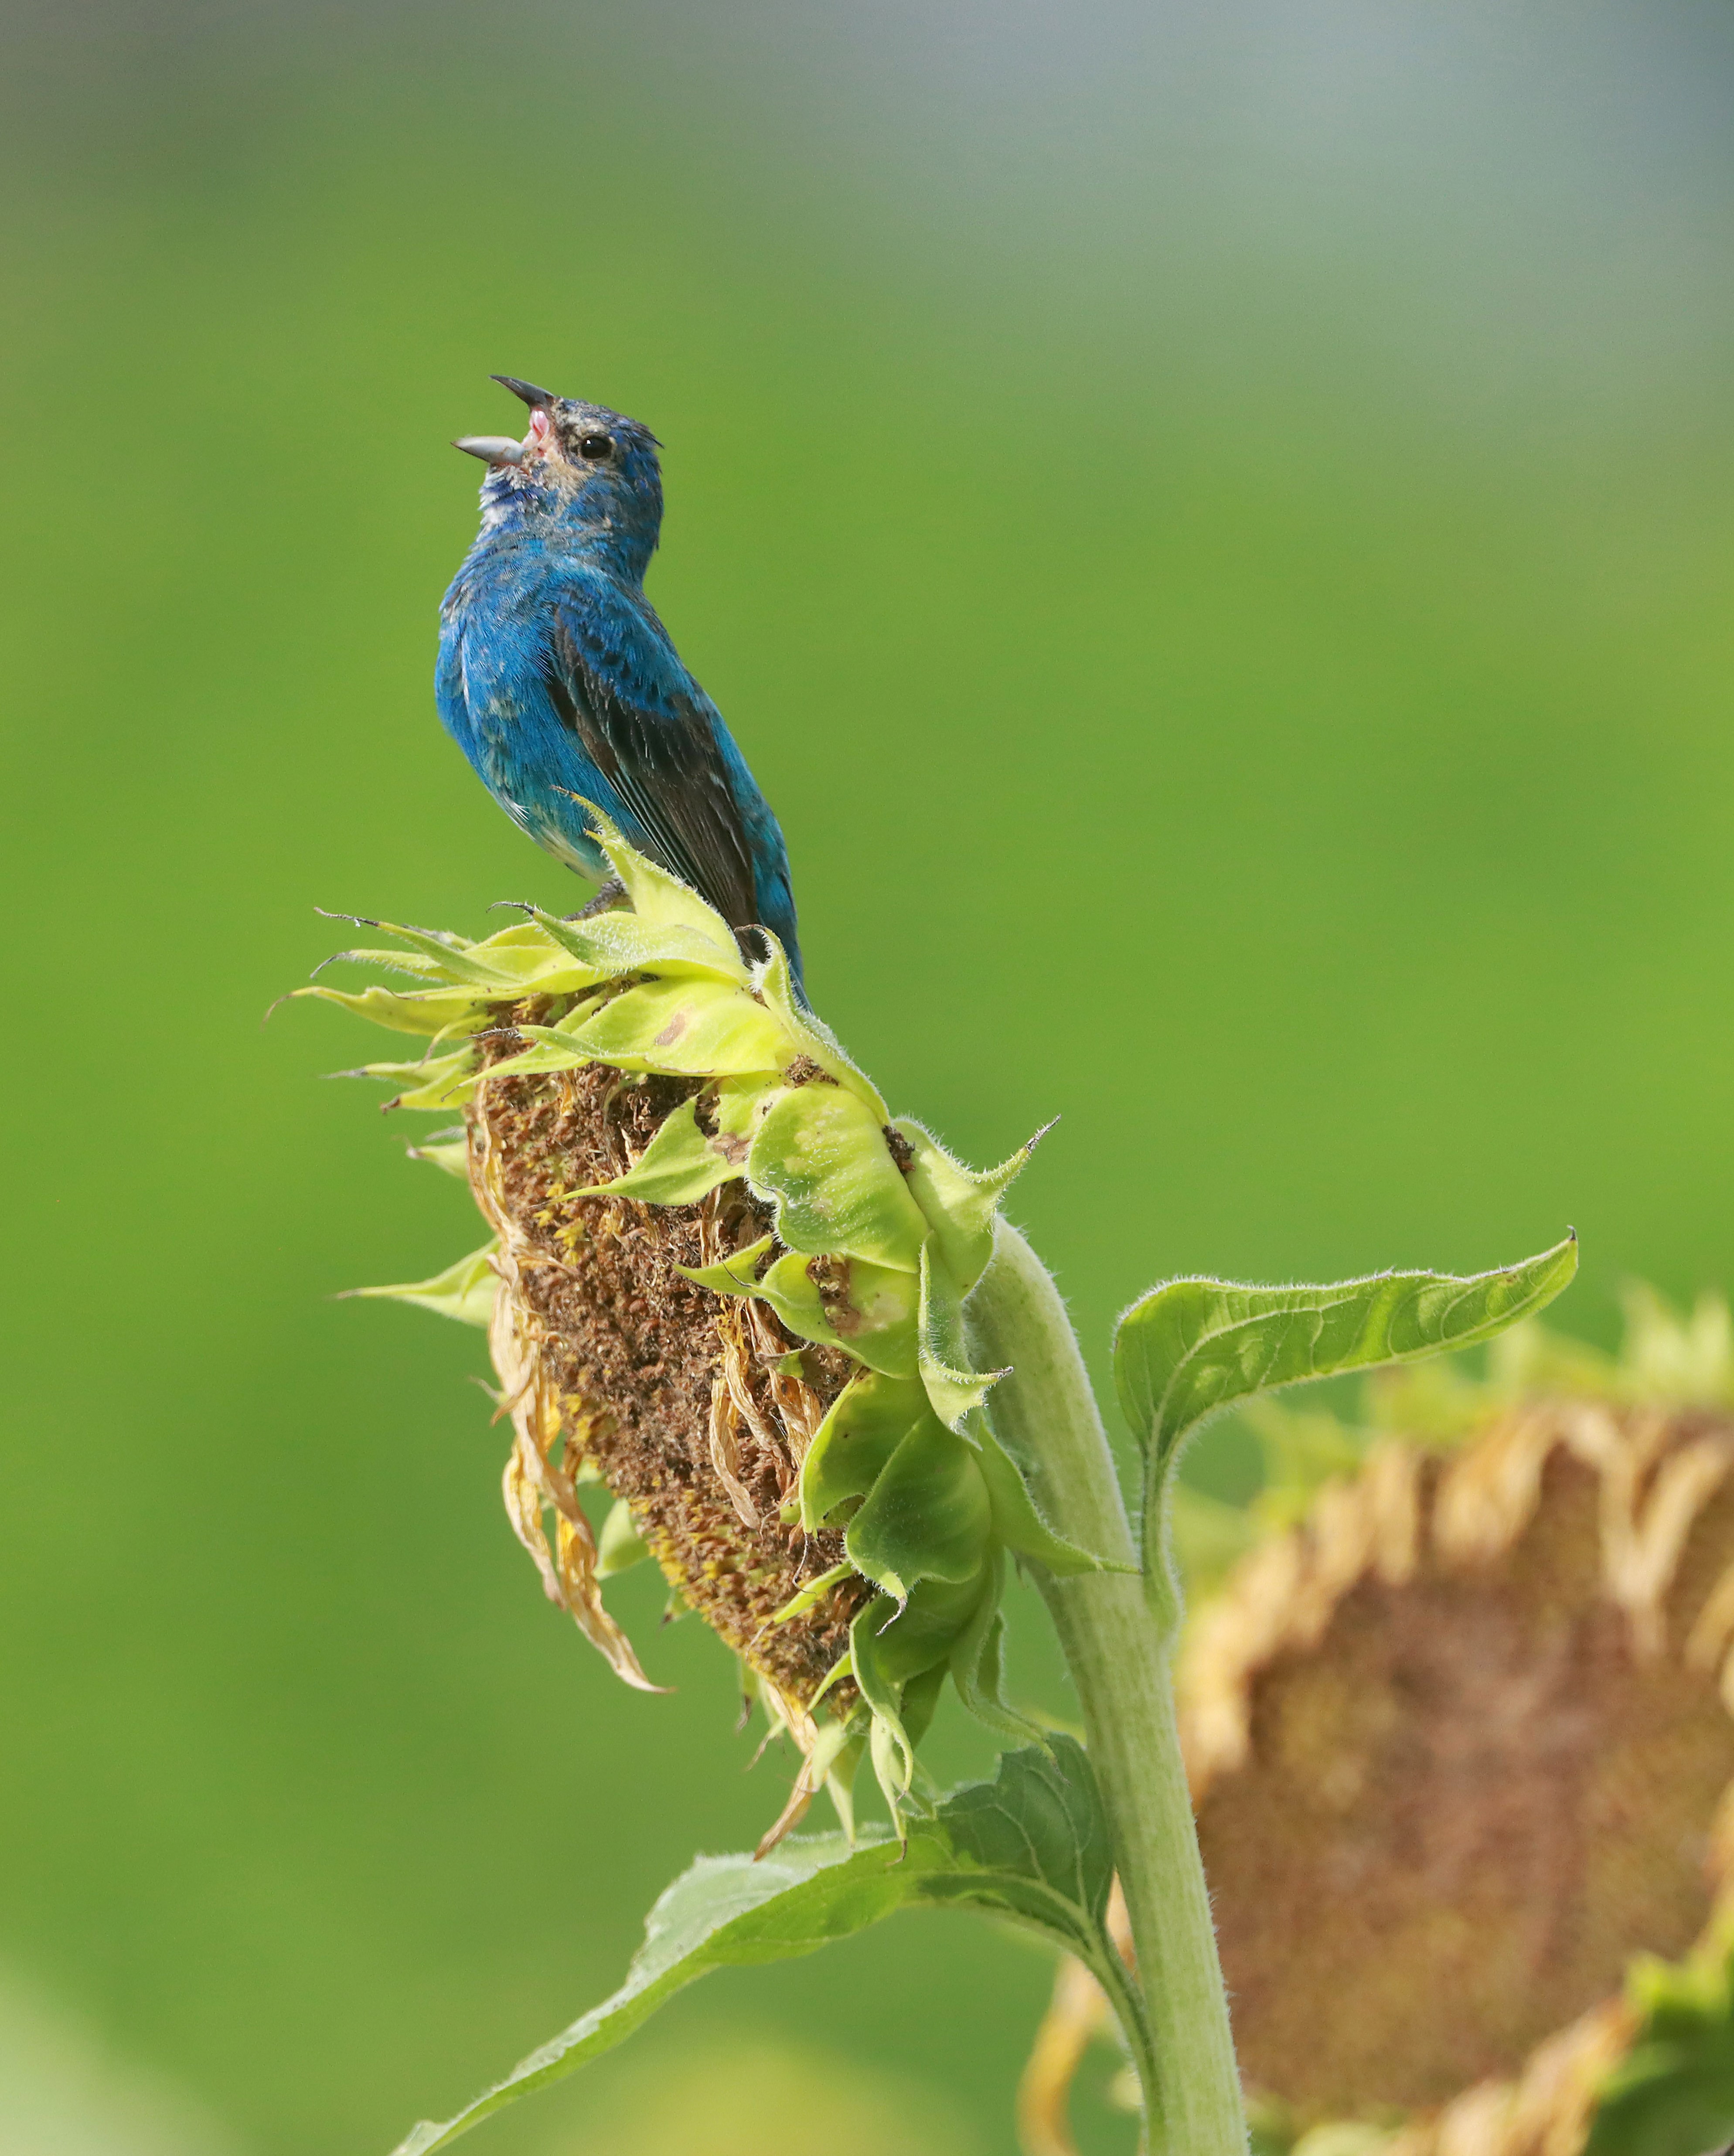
[(1214, 527)]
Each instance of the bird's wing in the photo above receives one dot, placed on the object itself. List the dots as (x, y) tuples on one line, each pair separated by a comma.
[(658, 753)]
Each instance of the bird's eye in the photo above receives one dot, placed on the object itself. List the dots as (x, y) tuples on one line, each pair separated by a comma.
[(596, 445)]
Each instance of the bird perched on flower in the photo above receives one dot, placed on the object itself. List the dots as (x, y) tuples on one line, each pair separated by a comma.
[(562, 686)]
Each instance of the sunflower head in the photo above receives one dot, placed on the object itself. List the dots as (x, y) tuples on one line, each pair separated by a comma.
[(725, 1284)]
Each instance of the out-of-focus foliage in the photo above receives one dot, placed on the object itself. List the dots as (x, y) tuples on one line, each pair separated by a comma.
[(64, 2088), (742, 2094), (1674, 2095)]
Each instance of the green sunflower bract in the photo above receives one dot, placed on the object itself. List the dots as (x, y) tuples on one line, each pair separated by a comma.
[(873, 1237)]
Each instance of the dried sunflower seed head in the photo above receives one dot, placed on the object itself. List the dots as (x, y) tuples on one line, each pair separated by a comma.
[(1461, 1722), (722, 1281)]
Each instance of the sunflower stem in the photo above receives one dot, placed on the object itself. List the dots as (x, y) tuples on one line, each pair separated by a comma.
[(1120, 1648)]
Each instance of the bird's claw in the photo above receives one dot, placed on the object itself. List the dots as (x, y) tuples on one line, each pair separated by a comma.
[(605, 901)]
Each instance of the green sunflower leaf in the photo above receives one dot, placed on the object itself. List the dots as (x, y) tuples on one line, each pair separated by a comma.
[(976, 1670), (610, 944), (1030, 1847), (820, 1153), (1192, 1346), (438, 1083), (659, 898), (620, 1546), (464, 1290), (421, 1011), (958, 1203), (415, 963), (942, 1356), (866, 1423), (735, 1274), (679, 1166), (814, 1592), (813, 1038), (927, 1516), (872, 1313), (705, 1028), (441, 955), (1018, 1523), (742, 1104), (452, 1154)]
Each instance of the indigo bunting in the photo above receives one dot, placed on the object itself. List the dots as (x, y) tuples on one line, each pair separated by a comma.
[(562, 686)]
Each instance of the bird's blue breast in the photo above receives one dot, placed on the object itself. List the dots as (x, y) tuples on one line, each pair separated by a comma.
[(545, 655), (493, 697)]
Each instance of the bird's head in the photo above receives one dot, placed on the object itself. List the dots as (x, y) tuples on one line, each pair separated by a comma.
[(580, 466)]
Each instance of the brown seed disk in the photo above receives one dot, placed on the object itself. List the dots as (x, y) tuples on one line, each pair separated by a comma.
[(1461, 1749), (669, 1390)]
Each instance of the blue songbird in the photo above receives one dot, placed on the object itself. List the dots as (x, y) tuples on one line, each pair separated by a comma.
[(560, 685)]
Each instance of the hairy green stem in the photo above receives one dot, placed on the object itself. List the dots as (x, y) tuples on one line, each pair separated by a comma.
[(1119, 1652)]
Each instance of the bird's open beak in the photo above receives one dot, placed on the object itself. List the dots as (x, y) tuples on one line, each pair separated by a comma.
[(538, 400), (491, 448), (500, 448)]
